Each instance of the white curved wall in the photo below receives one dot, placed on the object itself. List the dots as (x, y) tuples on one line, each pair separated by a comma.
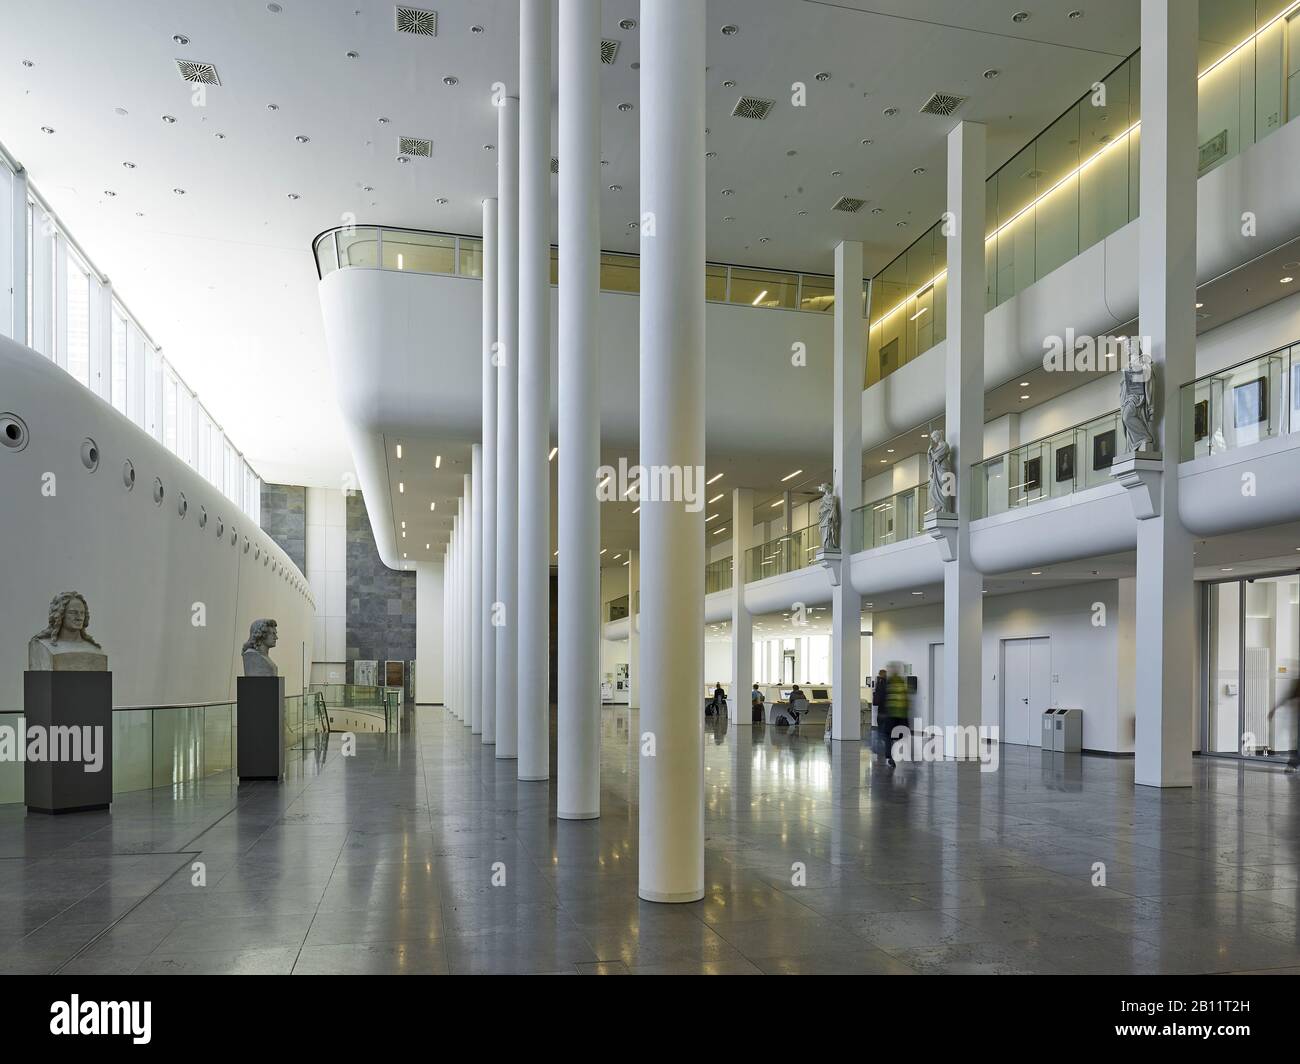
[(141, 566)]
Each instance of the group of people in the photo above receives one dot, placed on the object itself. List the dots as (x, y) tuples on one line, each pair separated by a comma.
[(892, 701), (717, 705)]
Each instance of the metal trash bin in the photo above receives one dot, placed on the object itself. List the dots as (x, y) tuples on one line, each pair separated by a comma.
[(1048, 740), (1067, 731)]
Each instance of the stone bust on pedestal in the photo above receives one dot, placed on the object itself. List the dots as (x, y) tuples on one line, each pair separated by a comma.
[(65, 645), (262, 636)]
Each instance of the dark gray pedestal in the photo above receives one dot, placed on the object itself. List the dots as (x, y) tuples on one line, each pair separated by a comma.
[(261, 727), (64, 705)]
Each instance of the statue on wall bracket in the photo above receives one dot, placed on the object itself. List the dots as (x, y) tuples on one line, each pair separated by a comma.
[(942, 476), (828, 519), (65, 644), (1136, 404)]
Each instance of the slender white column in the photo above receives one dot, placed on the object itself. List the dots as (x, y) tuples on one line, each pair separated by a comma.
[(672, 414), (446, 629), (449, 592), (846, 601), (742, 625), (507, 517), (633, 630), (466, 602), (458, 629), (1167, 317), (19, 261), (488, 533), (534, 534), (474, 616), (578, 746), (963, 585)]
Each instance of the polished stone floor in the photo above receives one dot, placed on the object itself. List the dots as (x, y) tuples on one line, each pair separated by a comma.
[(817, 860)]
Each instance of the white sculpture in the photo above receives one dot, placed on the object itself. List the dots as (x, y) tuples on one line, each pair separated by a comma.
[(66, 645), (941, 475), (262, 636), (1136, 410), (828, 518)]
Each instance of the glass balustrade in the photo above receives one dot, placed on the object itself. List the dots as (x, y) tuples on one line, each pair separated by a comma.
[(418, 251), (786, 554), (1077, 181), (1244, 404), (718, 576), (1071, 460), (893, 519)]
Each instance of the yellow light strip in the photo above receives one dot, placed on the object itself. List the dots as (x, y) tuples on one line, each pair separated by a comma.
[(1084, 165)]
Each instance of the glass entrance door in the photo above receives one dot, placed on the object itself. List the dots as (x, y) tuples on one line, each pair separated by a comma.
[(1252, 702)]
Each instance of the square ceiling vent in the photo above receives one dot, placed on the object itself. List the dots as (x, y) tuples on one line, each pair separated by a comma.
[(417, 20), (416, 146), (942, 104), (849, 204), (608, 52), (198, 73), (752, 107)]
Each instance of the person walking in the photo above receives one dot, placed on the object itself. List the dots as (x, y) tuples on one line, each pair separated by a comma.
[(897, 702)]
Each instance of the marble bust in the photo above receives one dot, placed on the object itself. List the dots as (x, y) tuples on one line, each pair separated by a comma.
[(65, 645), (262, 636), (828, 518)]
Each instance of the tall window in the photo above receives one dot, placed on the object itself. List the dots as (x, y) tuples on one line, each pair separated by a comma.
[(117, 357), (77, 310)]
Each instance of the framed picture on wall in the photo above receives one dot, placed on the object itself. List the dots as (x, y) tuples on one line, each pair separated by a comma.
[(1065, 463), (1201, 420), (1033, 475), (1250, 403), (1103, 450)]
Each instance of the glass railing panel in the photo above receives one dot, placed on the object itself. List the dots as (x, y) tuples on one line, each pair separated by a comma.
[(817, 293), (1244, 404), (893, 519), (617, 609), (620, 273), (358, 247), (785, 554), (718, 576), (471, 257), (132, 750), (327, 255), (764, 288), (716, 280), (419, 252), (218, 738), (11, 771), (177, 745)]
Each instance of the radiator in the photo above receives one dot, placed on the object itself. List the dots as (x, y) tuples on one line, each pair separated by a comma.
[(1257, 695)]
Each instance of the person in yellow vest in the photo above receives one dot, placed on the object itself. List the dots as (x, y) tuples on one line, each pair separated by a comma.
[(896, 708)]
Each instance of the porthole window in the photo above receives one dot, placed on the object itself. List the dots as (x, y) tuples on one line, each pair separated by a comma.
[(182, 505), (257, 554), (234, 536), (90, 454), (128, 475), (158, 491), (13, 432), (245, 544), (221, 526), (203, 517)]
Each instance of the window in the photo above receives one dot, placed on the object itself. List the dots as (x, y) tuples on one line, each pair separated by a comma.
[(76, 308), (117, 358)]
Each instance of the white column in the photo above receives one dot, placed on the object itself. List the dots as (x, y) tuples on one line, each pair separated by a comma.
[(633, 631), (449, 592), (534, 533), (466, 602), (488, 533), (507, 631), (963, 585), (1167, 316), (578, 746), (742, 625), (846, 602), (672, 414), (474, 614), (458, 629), (445, 685), (19, 263)]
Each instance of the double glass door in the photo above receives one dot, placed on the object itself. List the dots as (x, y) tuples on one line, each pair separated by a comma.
[(1252, 699)]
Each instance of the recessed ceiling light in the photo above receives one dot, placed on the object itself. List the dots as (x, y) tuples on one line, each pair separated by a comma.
[(437, 461), (382, 120), (129, 165), (889, 112), (728, 191), (728, 84), (1075, 15), (866, 141), (1024, 384), (180, 38), (625, 107), (918, 592), (1287, 280), (219, 136), (729, 218), (294, 195), (451, 80), (109, 193), (489, 147), (918, 170), (275, 9), (616, 188), (991, 73), (272, 106), (801, 213), (1036, 572), (901, 225), (401, 488), (730, 30), (476, 30), (889, 450), (432, 507), (1024, 397), (837, 173), (354, 55), (710, 154), (179, 191), (627, 24), (302, 140), (403, 159), (1199, 305), (764, 239), (169, 119), (367, 188), (1020, 16), (28, 63), (1225, 570), (877, 210), (441, 201), (823, 75)]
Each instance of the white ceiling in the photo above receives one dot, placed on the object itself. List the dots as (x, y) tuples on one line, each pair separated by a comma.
[(222, 276)]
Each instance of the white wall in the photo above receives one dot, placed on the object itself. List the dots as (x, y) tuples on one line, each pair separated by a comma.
[(429, 671), (1088, 672), (143, 568), (327, 541)]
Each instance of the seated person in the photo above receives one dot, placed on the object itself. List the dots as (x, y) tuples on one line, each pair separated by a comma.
[(756, 704), (719, 702)]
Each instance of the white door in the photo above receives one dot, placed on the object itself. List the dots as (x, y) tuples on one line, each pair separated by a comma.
[(1026, 689), (934, 701)]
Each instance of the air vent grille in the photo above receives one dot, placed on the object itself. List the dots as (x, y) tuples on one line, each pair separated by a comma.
[(942, 103), (609, 52), (752, 107), (555, 165), (418, 21), (416, 146), (198, 73), (849, 204)]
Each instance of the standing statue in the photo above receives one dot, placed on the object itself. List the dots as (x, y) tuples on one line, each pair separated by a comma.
[(65, 645), (262, 636), (828, 518), (1136, 410), (941, 475)]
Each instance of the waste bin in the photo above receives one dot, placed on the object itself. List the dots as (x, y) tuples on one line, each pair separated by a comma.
[(1067, 731), (1049, 729)]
